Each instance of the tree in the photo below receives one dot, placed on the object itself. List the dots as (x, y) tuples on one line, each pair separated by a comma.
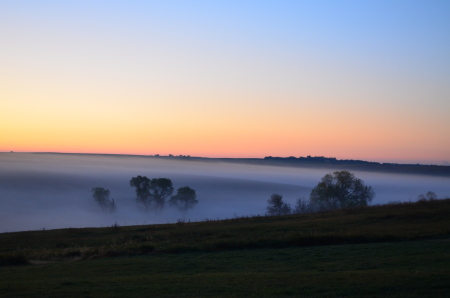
[(429, 196), (302, 206), (152, 193), (276, 205), (161, 188), (101, 196), (142, 185), (185, 198), (340, 190)]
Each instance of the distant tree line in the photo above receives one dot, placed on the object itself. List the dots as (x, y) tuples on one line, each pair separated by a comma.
[(151, 194), (319, 159)]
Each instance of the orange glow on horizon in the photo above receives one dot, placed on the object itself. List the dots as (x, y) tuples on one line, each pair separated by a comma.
[(191, 84)]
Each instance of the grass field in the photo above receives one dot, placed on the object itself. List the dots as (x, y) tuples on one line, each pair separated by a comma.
[(394, 250)]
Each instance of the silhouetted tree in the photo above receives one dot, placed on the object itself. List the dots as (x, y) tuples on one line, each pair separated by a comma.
[(142, 185), (340, 190), (161, 188), (276, 205), (152, 193), (101, 196), (185, 198)]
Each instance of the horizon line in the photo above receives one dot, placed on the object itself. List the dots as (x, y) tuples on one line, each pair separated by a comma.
[(206, 157)]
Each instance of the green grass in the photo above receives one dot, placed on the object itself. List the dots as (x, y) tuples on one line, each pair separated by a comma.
[(396, 250), (408, 221), (404, 269)]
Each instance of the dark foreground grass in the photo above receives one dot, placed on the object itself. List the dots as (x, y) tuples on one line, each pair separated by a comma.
[(396, 251), (401, 269), (403, 222)]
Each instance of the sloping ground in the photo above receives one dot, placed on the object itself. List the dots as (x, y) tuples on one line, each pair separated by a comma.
[(382, 251), (402, 222)]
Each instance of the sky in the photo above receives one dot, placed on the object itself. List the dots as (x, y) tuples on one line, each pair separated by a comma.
[(348, 79)]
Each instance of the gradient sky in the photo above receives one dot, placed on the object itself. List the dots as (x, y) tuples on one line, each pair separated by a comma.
[(350, 79)]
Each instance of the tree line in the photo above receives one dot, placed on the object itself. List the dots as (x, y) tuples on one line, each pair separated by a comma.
[(340, 189), (151, 194)]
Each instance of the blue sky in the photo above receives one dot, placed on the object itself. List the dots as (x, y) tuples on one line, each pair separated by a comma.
[(326, 70)]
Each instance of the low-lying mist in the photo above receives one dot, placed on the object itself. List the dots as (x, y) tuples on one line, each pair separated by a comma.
[(48, 191)]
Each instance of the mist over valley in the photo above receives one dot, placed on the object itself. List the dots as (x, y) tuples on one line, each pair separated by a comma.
[(49, 191)]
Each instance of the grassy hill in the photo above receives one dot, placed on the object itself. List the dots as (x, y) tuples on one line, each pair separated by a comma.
[(393, 250)]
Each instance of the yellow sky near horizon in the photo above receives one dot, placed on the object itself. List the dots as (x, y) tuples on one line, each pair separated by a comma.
[(147, 78)]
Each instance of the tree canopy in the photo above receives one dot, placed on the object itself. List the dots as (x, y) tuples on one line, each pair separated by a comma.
[(185, 198), (152, 193), (276, 205), (340, 189), (142, 185), (160, 189), (101, 196)]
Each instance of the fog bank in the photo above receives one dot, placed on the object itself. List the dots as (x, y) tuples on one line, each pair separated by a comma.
[(50, 191)]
